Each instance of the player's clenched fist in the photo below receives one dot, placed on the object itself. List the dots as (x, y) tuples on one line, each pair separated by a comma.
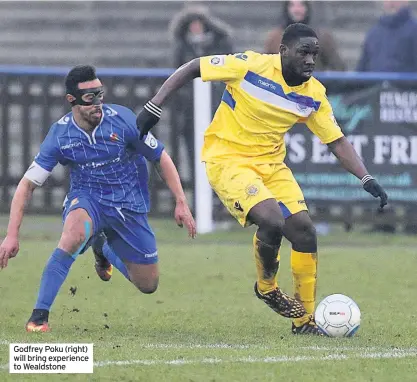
[(8, 249), (374, 188), (147, 118)]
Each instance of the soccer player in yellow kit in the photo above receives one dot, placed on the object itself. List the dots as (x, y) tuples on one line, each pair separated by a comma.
[(244, 152)]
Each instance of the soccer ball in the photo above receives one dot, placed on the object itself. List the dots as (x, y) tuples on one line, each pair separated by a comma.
[(338, 316)]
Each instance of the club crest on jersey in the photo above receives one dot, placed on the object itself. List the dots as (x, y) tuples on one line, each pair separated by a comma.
[(114, 137), (301, 107), (252, 190), (217, 60)]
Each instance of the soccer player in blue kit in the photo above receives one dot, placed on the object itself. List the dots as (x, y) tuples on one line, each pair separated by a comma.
[(108, 193)]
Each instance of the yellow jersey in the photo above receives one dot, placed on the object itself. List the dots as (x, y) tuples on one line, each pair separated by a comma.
[(258, 108)]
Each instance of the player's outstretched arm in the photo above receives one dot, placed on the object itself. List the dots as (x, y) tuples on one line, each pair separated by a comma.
[(10, 245), (150, 114), (168, 172), (350, 160)]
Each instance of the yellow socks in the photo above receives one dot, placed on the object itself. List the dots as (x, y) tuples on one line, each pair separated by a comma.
[(267, 264), (304, 271)]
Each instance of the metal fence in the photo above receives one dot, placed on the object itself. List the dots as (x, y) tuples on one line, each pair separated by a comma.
[(377, 111)]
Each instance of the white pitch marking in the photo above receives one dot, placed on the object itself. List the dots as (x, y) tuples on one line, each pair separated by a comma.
[(283, 359), (248, 347), (203, 346)]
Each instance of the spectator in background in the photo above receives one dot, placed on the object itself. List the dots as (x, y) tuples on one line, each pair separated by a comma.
[(300, 12), (391, 44), (196, 33)]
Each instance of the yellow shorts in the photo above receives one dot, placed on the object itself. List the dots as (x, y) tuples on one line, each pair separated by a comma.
[(242, 186)]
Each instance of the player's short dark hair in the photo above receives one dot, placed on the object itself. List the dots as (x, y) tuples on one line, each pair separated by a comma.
[(296, 31), (79, 73)]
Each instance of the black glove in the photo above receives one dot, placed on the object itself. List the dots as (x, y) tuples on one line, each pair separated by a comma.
[(147, 118), (373, 187)]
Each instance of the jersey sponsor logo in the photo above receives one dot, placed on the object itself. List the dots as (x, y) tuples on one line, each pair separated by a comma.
[(71, 145), (267, 85), (151, 141), (242, 56), (217, 60), (252, 190), (99, 164)]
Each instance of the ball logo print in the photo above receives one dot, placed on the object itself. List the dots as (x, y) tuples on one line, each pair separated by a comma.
[(338, 316)]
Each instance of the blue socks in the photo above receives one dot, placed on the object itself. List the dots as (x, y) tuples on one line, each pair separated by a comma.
[(54, 275), (114, 260), (56, 271)]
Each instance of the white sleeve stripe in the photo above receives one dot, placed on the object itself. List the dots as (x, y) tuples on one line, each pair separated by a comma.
[(366, 178), (153, 109), (150, 103), (37, 174), (154, 112), (146, 107)]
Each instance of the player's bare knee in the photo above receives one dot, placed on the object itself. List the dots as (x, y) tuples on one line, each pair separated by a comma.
[(270, 233), (306, 240), (71, 240), (147, 288), (272, 225)]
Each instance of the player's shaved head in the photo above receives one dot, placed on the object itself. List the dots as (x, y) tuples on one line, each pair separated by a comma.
[(80, 73), (296, 31)]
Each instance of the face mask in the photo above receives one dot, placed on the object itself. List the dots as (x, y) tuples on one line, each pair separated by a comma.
[(88, 97)]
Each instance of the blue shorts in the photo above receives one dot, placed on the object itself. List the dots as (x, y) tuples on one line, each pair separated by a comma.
[(128, 232)]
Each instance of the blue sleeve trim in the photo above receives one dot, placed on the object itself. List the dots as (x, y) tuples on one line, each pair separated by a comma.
[(285, 211), (228, 100)]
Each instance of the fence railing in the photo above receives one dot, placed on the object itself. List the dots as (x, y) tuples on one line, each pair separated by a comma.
[(378, 111)]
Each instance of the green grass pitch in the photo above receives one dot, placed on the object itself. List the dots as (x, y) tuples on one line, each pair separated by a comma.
[(204, 323)]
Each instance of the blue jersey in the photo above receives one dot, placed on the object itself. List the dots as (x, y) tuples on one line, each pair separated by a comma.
[(108, 164)]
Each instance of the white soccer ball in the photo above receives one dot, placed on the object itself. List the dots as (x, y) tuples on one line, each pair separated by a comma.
[(338, 316)]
